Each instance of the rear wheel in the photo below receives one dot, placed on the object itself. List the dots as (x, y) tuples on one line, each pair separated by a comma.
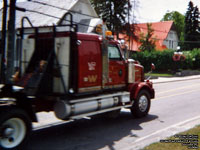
[(15, 127), (141, 105)]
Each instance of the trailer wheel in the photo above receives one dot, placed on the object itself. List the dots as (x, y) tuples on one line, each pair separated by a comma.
[(141, 105), (15, 127)]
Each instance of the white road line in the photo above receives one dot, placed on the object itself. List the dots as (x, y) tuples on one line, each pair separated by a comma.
[(171, 95), (180, 88), (178, 124), (184, 124)]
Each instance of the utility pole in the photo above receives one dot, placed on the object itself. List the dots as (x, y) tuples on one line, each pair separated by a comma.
[(129, 30), (11, 41), (111, 16), (3, 42)]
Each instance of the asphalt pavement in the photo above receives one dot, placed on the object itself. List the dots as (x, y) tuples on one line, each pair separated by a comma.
[(143, 132)]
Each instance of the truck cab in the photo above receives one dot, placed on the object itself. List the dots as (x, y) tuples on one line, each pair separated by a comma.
[(82, 75)]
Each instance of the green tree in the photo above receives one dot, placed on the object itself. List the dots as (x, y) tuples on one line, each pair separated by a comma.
[(147, 41), (191, 34), (115, 12), (179, 22)]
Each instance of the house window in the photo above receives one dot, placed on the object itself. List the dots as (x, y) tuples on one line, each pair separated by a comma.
[(169, 43)]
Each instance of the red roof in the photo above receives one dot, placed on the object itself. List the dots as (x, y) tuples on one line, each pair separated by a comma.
[(161, 30)]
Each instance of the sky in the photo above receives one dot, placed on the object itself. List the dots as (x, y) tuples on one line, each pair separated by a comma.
[(154, 10)]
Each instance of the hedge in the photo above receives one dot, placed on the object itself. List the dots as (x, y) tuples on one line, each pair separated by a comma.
[(164, 60)]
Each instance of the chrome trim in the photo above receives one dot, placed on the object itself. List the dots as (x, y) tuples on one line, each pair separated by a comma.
[(89, 89), (143, 103), (99, 112), (98, 97), (114, 86), (17, 88), (7, 99)]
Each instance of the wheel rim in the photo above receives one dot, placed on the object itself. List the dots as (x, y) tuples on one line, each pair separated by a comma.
[(14, 133), (143, 103)]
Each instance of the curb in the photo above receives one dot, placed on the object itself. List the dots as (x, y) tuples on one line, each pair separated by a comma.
[(176, 80)]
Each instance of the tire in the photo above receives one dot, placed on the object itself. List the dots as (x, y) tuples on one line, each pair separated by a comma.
[(18, 126), (141, 105)]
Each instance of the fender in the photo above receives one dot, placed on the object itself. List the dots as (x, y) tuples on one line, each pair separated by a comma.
[(135, 88), (12, 98)]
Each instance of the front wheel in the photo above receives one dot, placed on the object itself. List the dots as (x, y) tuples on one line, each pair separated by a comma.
[(141, 105), (15, 127)]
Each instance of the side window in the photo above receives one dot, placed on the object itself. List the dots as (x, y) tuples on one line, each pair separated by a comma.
[(114, 53)]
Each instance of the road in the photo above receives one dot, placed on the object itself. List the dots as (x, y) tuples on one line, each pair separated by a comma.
[(175, 108)]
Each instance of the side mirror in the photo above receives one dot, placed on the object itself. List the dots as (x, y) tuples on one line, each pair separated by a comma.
[(153, 67)]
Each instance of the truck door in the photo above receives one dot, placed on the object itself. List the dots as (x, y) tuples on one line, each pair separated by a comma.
[(117, 68), (89, 77)]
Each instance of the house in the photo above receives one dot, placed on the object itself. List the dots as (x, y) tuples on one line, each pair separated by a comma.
[(52, 12), (164, 33)]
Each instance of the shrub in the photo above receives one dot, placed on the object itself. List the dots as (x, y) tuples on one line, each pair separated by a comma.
[(195, 58), (164, 60)]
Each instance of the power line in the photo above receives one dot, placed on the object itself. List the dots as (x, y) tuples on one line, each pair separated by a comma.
[(168, 40), (163, 31), (93, 16), (1, 8), (42, 3), (52, 16), (45, 4), (152, 28), (189, 41), (41, 13)]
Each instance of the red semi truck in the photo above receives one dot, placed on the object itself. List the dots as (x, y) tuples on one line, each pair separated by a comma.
[(82, 75)]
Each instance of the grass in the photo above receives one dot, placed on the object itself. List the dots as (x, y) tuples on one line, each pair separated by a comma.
[(171, 73), (159, 74), (177, 146)]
